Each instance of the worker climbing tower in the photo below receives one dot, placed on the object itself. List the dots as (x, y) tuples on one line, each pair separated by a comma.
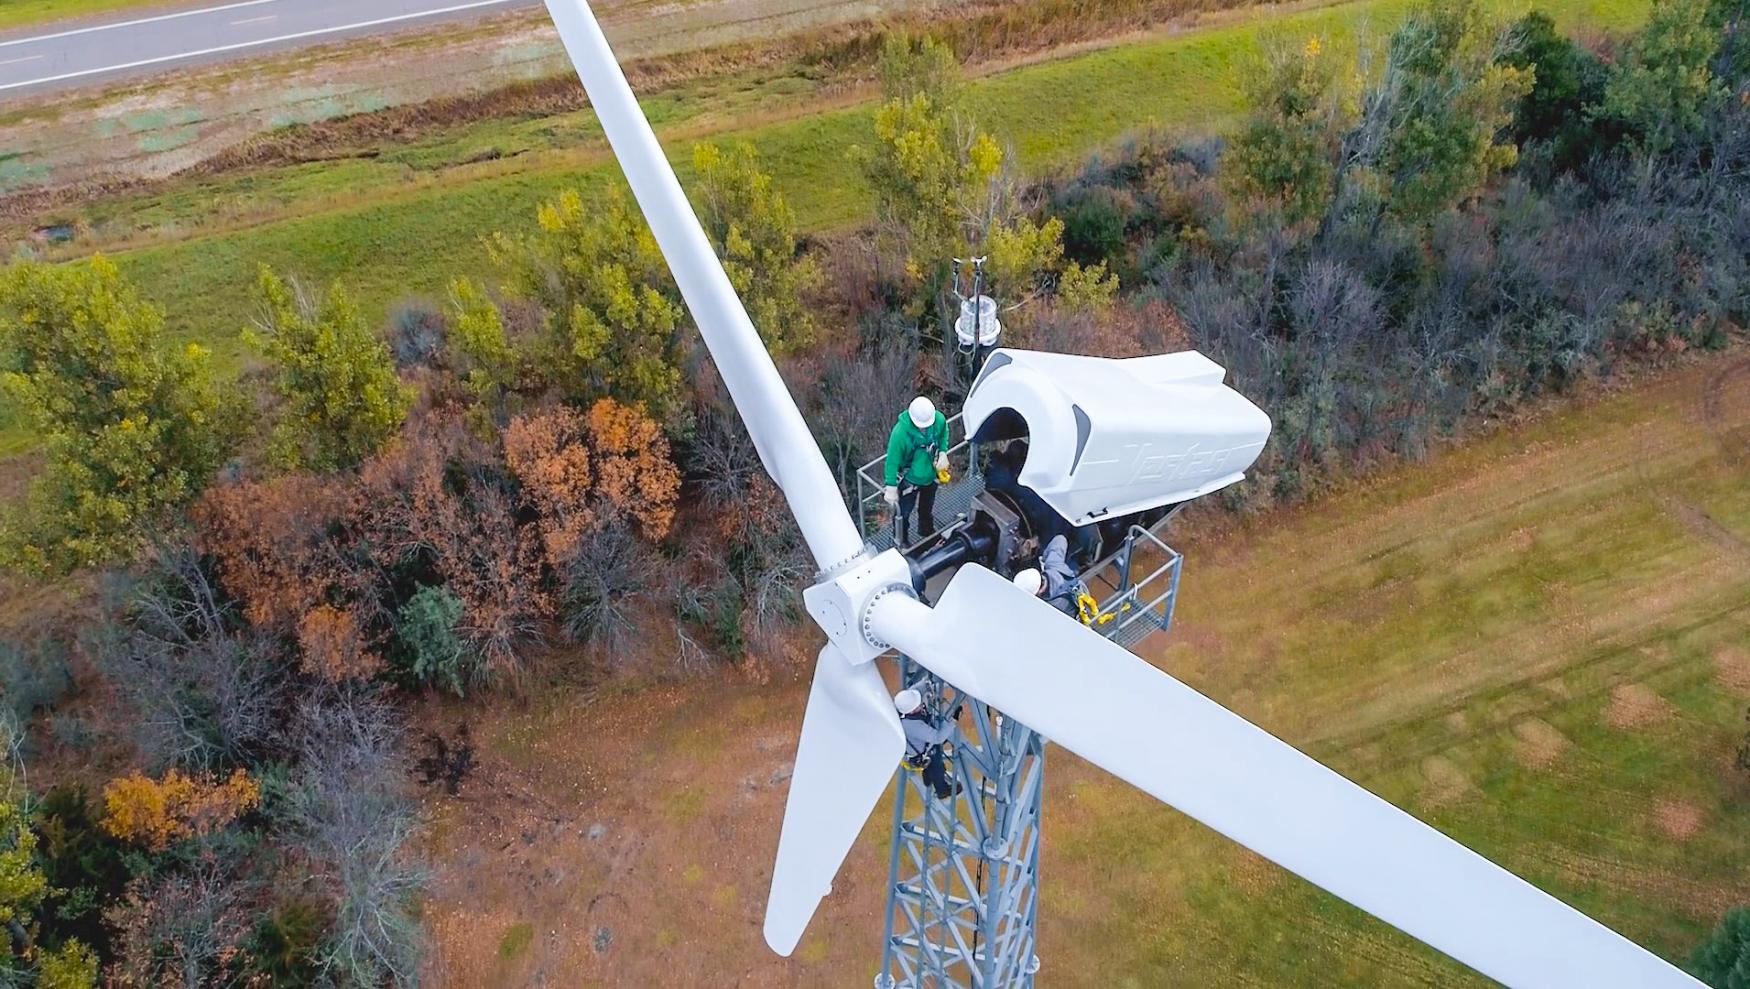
[(963, 872)]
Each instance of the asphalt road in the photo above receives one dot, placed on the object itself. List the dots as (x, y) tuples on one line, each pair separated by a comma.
[(80, 54)]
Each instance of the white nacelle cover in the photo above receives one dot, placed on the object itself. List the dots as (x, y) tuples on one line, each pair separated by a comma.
[(1111, 437)]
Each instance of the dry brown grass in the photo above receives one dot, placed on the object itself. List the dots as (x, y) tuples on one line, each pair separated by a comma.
[(1444, 783), (1635, 705), (1537, 743), (1732, 669), (1679, 819)]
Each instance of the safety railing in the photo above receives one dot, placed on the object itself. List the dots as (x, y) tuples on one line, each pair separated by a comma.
[(1135, 607)]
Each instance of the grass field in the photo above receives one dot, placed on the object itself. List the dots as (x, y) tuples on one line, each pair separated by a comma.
[(22, 13), (1540, 643), (422, 213)]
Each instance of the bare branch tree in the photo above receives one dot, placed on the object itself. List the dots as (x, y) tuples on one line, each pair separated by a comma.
[(354, 820)]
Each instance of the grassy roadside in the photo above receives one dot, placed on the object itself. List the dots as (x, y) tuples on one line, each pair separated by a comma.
[(413, 241), (411, 237), (23, 13), (1538, 642)]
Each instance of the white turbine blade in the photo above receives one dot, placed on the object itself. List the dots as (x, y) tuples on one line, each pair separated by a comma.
[(1094, 698), (779, 434), (851, 744)]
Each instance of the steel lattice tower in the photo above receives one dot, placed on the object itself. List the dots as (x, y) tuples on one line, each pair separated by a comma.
[(963, 873)]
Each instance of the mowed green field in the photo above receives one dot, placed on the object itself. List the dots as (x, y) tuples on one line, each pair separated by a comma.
[(1538, 642), (22, 13), (414, 231)]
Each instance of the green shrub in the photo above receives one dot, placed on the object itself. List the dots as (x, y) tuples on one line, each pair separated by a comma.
[(434, 652), (1723, 960), (1094, 223), (284, 945), (337, 380)]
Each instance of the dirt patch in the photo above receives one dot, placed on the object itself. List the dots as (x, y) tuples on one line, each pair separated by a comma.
[(1444, 783), (1537, 743), (1732, 670), (1635, 705), (1679, 819)]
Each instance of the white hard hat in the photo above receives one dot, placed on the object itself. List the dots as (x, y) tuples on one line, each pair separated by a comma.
[(907, 701), (923, 412), (1029, 580)]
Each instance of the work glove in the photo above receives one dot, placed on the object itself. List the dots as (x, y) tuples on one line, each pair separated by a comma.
[(941, 461), (891, 495)]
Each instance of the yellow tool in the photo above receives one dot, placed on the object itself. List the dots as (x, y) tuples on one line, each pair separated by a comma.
[(943, 477), (1088, 610)]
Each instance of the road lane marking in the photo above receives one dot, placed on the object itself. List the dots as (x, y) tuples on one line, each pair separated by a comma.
[(138, 20), (15, 61), (255, 20), (238, 46)]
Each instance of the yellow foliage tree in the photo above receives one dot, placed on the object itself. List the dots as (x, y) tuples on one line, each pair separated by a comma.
[(158, 813)]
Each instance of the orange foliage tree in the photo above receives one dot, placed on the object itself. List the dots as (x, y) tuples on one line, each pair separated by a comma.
[(578, 470), (158, 813), (547, 453), (332, 645), (634, 472), (271, 543)]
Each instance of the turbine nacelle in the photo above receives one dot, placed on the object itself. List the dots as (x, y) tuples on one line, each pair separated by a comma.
[(1111, 437)]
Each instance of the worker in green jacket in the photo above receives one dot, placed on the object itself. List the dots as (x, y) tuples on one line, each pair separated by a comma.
[(916, 450)]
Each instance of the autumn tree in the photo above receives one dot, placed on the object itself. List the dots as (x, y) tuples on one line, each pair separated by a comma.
[(435, 506), (156, 814), (612, 316), (190, 926), (754, 232), (550, 456), (576, 471), (634, 472), (132, 425), (332, 645), (273, 544), (337, 379)]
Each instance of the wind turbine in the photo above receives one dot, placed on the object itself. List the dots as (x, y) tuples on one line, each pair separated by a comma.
[(1087, 694)]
